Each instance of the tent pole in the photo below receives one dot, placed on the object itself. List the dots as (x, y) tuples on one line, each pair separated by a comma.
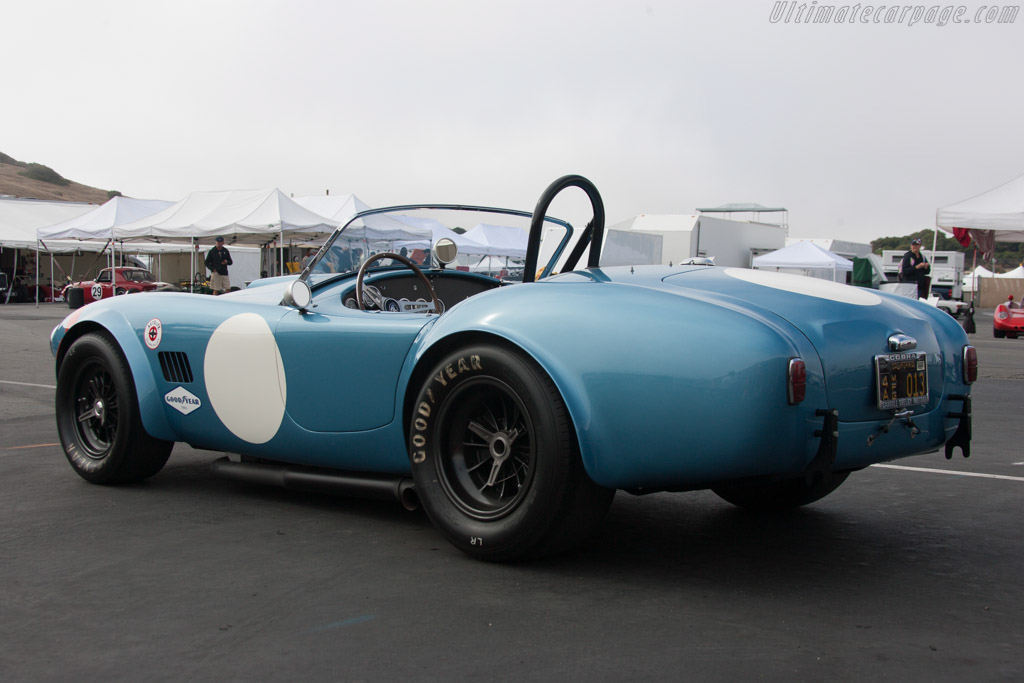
[(37, 273), (935, 242), (282, 248), (14, 276), (54, 262), (974, 273)]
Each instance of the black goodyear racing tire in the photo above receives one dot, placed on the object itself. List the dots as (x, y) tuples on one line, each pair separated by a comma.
[(98, 416), (495, 460), (775, 496), (998, 334)]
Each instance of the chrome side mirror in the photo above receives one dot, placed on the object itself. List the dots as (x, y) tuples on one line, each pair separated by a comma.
[(445, 250), (298, 295)]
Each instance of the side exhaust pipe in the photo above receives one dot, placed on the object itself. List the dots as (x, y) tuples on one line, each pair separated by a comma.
[(379, 487)]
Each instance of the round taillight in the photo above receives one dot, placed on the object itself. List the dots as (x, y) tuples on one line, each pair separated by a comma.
[(970, 364), (796, 381)]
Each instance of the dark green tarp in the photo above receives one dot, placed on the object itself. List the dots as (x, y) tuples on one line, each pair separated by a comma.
[(862, 272)]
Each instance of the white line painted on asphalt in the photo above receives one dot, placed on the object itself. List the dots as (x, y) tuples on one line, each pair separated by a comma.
[(27, 384), (959, 474)]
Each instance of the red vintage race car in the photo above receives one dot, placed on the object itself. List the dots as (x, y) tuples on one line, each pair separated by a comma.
[(117, 281), (1008, 320)]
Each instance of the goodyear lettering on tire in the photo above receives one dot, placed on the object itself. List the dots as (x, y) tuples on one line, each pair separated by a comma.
[(421, 420)]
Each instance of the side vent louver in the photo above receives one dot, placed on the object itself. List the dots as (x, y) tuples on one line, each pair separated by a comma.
[(175, 367)]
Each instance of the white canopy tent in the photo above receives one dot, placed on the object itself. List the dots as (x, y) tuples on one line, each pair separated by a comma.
[(95, 227), (340, 207), (970, 280), (252, 217), (99, 222), (993, 216), (496, 264), (21, 218), (509, 240), (374, 228), (1000, 210), (805, 256), (434, 230), (247, 216)]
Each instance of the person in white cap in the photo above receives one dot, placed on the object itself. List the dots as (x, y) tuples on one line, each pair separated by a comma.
[(915, 267)]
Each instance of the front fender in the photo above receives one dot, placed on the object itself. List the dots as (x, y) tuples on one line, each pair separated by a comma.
[(96, 317)]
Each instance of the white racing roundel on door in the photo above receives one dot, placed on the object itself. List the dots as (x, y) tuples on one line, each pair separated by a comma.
[(245, 378)]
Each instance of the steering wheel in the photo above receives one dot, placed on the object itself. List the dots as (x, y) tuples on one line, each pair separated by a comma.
[(361, 301)]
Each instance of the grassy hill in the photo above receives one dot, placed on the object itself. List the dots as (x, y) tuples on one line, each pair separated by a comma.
[(22, 179)]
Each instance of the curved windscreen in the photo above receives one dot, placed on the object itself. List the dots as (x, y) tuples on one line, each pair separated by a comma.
[(490, 241)]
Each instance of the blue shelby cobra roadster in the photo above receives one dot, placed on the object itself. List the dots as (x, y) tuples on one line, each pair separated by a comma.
[(513, 411)]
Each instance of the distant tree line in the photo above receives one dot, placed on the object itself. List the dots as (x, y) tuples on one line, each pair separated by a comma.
[(44, 174), (4, 159), (35, 171), (1008, 255)]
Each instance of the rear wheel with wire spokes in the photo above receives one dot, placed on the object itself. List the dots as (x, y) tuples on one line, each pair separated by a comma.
[(495, 461)]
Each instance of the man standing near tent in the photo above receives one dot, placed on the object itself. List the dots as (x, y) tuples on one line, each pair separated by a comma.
[(217, 261), (915, 267)]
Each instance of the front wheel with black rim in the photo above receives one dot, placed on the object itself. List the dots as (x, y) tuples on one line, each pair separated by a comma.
[(495, 460), (98, 417)]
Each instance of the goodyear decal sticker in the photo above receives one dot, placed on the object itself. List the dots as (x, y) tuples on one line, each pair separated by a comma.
[(182, 400)]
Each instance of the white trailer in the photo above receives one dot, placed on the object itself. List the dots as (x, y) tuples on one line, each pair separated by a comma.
[(669, 239)]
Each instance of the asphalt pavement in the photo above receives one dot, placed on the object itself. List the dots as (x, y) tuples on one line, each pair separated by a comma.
[(907, 573)]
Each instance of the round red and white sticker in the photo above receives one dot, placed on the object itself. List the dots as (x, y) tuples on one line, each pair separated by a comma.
[(154, 333)]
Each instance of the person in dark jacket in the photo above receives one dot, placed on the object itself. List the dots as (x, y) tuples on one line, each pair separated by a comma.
[(217, 261), (915, 267)]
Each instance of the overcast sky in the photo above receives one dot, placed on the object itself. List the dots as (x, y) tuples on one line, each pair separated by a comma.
[(860, 129)]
